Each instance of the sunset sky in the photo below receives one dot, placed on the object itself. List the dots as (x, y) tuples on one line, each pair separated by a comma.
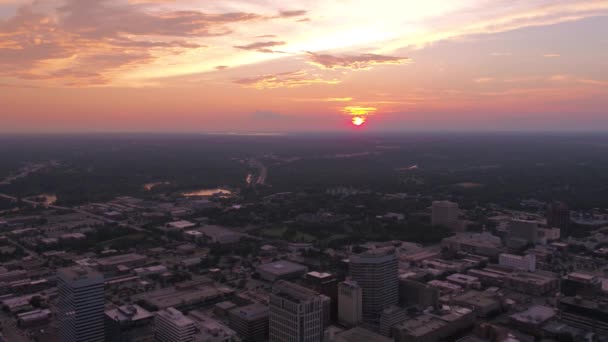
[(307, 65)]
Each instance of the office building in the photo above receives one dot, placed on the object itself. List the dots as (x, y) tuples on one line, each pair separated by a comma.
[(524, 263), (296, 313), (390, 317), (376, 272), (173, 326), (250, 322), (413, 292), (128, 323), (350, 301), (521, 233), (484, 244), (581, 284), (444, 213), (325, 284), (587, 314), (81, 304), (558, 216)]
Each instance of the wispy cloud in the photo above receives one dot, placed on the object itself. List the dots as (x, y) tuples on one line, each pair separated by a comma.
[(362, 61), (286, 79), (264, 47)]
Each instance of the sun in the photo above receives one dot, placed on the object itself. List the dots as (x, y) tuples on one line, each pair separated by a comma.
[(358, 120)]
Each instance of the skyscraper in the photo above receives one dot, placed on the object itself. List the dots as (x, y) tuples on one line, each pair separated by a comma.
[(376, 272), (444, 213), (296, 313), (173, 326), (558, 216), (350, 301), (81, 305)]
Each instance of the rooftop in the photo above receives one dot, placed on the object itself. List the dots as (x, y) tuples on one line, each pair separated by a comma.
[(537, 314), (175, 316), (281, 267), (360, 334), (251, 312)]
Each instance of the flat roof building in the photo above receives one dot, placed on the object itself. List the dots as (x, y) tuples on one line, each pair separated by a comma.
[(281, 269), (251, 321)]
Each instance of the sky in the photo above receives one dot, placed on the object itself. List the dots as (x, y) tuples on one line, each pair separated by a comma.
[(303, 65)]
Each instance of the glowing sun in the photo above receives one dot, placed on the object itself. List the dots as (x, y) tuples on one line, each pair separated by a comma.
[(358, 120)]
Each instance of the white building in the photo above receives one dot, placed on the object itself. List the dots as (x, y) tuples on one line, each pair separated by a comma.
[(296, 313), (350, 301), (445, 213), (173, 326), (81, 304), (526, 262)]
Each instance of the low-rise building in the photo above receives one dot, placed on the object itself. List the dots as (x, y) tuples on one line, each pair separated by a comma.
[(281, 269), (521, 262)]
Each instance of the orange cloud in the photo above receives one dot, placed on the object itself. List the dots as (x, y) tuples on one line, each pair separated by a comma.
[(363, 61), (359, 111), (261, 46), (286, 79)]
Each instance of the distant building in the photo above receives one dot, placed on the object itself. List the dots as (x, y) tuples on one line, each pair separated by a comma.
[(484, 244), (526, 262), (586, 314), (376, 272), (350, 301), (535, 284), (359, 334), (81, 304), (173, 326), (581, 284), (281, 269), (558, 216), (413, 292), (531, 320), (390, 317), (251, 322), (521, 233), (221, 235), (128, 323), (445, 213), (482, 303), (296, 313), (464, 281), (436, 326)]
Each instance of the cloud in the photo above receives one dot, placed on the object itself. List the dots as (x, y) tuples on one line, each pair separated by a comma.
[(551, 55), (287, 79), (221, 67), (94, 41), (290, 14), (359, 110), (261, 46), (363, 61)]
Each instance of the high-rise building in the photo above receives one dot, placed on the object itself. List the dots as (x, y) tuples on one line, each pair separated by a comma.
[(350, 301), (128, 323), (81, 304), (521, 233), (326, 284), (296, 313), (413, 292), (173, 326), (558, 216), (376, 272), (250, 322), (444, 213)]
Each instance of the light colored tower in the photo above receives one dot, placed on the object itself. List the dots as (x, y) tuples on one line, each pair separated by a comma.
[(173, 326), (81, 305), (350, 301), (296, 313)]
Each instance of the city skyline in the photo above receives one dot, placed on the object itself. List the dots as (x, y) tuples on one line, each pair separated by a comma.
[(281, 66)]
